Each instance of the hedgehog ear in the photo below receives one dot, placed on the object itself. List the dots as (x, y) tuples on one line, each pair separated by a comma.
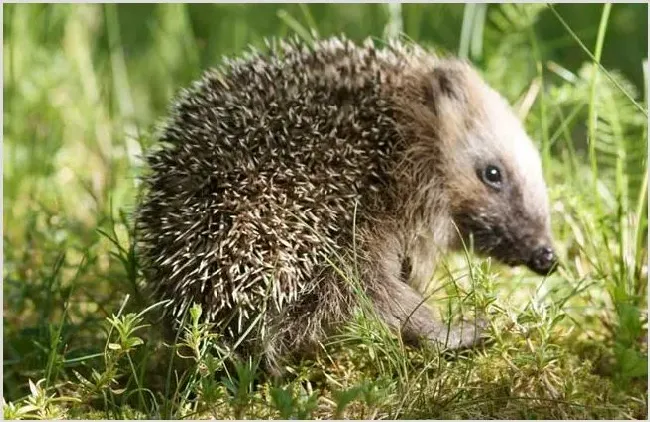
[(447, 82)]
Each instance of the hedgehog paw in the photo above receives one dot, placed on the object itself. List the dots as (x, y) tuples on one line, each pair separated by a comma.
[(465, 334)]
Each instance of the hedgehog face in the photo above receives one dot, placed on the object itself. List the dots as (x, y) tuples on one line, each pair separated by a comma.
[(494, 176), (504, 208)]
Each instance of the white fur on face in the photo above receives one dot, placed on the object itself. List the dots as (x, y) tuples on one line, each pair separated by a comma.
[(503, 138)]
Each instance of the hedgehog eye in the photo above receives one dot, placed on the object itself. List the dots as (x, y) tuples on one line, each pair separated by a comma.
[(492, 176)]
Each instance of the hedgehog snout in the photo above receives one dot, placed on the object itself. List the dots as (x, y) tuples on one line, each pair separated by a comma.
[(543, 260)]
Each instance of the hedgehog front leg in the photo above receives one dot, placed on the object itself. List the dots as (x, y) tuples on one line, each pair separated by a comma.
[(400, 305), (403, 308)]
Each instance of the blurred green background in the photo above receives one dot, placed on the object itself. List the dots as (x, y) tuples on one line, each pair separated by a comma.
[(88, 80), (85, 84)]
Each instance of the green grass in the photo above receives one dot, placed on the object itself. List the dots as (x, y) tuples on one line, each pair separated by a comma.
[(84, 86)]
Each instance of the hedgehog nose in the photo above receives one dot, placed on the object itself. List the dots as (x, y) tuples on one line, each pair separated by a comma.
[(543, 261)]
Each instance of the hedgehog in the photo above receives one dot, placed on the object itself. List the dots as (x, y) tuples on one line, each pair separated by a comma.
[(276, 163)]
